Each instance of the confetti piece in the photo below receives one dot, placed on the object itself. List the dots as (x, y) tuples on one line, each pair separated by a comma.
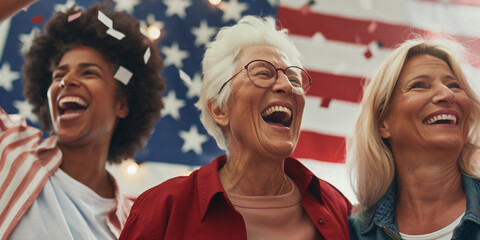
[(74, 16), (105, 20), (340, 68), (373, 47), (367, 54), (325, 102), (109, 23), (318, 39), (28, 6), (184, 76), (372, 27), (305, 9), (147, 55), (123, 75), (37, 20), (116, 34), (358, 39)]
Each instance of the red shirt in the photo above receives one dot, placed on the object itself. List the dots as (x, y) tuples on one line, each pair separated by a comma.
[(197, 207)]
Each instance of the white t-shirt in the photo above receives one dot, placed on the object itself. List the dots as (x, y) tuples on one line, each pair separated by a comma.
[(65, 209), (445, 233)]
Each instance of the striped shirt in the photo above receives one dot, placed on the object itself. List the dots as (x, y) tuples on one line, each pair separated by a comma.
[(26, 163)]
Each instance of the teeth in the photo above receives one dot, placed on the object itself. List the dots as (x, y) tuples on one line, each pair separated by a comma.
[(273, 109), (72, 99), (441, 117)]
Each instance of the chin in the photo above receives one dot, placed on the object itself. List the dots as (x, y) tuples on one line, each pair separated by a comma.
[(451, 144), (282, 150)]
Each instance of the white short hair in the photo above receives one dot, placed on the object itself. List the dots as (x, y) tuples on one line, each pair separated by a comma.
[(220, 60)]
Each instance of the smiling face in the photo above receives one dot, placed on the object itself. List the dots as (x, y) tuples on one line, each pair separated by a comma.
[(264, 121), (82, 98), (428, 110)]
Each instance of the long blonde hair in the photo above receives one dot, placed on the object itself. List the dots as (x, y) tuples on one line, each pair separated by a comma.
[(369, 159)]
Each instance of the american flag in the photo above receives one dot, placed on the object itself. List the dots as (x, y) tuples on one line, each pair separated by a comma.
[(342, 42)]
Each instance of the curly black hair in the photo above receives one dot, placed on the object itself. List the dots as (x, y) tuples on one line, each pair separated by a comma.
[(144, 91)]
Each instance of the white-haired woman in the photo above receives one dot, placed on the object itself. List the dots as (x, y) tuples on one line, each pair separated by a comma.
[(414, 147), (251, 102)]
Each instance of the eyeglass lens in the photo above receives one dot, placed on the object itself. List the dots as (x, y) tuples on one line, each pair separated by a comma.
[(264, 74)]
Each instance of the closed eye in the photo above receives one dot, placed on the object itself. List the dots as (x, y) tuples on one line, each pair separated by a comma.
[(294, 80), (90, 73), (57, 76), (418, 85), (454, 85)]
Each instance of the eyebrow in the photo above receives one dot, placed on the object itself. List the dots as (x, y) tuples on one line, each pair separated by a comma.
[(447, 76), (81, 65)]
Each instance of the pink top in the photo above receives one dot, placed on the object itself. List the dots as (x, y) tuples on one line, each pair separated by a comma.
[(275, 217)]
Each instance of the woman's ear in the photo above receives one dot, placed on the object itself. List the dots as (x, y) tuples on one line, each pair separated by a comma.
[(122, 107), (218, 114), (383, 129)]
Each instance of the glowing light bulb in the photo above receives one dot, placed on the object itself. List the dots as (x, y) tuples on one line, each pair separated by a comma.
[(132, 168), (215, 2), (154, 32)]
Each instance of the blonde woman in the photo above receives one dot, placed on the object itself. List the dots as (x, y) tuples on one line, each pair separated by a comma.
[(413, 151)]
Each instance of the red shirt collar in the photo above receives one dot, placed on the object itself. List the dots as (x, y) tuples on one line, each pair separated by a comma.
[(209, 182)]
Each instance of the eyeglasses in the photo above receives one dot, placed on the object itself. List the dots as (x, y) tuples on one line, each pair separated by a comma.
[(264, 74)]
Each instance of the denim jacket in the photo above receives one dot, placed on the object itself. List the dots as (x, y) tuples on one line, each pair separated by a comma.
[(383, 224)]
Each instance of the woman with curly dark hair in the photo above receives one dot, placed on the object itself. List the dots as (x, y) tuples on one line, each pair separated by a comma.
[(94, 82)]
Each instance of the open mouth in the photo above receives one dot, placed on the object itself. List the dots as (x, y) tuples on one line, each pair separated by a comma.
[(278, 115), (441, 119), (72, 105)]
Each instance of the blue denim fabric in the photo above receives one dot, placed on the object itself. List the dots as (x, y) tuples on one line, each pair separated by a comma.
[(383, 225)]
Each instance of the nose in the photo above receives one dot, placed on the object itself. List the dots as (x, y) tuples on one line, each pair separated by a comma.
[(443, 94), (282, 84), (68, 81)]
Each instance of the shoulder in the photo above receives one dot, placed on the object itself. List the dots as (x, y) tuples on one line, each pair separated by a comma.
[(330, 191), (173, 189), (324, 189)]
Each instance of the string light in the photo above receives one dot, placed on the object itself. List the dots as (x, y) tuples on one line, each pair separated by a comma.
[(215, 2), (154, 32), (132, 168)]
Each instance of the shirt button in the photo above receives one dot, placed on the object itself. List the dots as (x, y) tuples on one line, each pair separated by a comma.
[(320, 220)]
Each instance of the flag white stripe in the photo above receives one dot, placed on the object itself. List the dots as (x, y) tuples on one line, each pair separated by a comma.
[(338, 58), (337, 119)]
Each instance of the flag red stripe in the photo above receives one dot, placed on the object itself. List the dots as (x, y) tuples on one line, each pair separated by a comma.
[(331, 86), (320, 147), (356, 31), (343, 29)]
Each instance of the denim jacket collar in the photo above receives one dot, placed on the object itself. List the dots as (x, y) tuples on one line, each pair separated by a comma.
[(472, 213), (384, 211)]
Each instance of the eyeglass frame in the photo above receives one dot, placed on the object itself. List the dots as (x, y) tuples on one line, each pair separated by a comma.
[(276, 75)]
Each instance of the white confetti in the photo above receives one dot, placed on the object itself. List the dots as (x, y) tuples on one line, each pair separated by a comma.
[(109, 23), (105, 20), (184, 76), (116, 34), (147, 55), (318, 39), (123, 75)]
